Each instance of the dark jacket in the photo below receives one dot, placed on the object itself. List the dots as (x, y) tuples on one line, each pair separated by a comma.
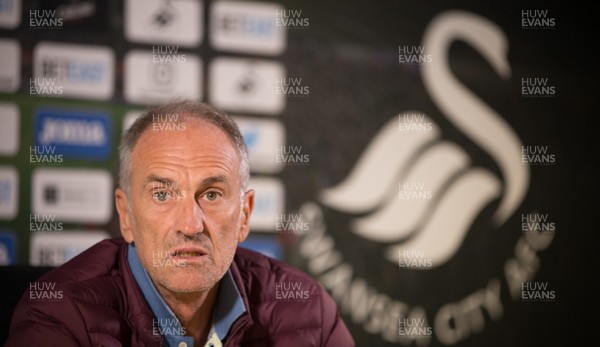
[(95, 301)]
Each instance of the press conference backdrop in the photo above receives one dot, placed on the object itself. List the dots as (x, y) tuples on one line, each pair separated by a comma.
[(404, 153)]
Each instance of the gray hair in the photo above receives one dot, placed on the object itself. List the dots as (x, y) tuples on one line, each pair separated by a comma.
[(185, 109)]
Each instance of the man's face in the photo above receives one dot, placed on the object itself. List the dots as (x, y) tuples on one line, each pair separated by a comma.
[(186, 212)]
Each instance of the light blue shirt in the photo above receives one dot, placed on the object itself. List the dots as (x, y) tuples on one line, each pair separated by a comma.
[(228, 308)]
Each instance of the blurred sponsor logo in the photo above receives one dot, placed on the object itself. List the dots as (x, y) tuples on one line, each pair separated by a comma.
[(50, 249), (73, 133), (76, 10), (246, 85), (73, 195), (262, 137), (268, 202), (147, 81), (9, 192), (8, 249), (10, 69), (83, 71), (247, 27), (158, 21), (10, 14), (9, 128)]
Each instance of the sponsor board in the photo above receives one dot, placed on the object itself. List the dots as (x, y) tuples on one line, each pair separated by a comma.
[(73, 195), (74, 133), (47, 249), (246, 85), (9, 192), (149, 82), (10, 69), (10, 14), (80, 71), (8, 248), (156, 21), (247, 27), (262, 137), (9, 129), (269, 201)]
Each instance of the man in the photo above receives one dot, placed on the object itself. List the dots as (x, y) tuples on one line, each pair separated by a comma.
[(176, 277)]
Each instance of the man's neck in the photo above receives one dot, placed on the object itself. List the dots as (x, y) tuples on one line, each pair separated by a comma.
[(194, 311)]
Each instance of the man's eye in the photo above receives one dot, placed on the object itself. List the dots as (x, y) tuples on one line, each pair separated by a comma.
[(212, 196), (161, 195)]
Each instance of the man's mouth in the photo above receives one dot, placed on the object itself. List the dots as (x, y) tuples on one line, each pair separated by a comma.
[(188, 253)]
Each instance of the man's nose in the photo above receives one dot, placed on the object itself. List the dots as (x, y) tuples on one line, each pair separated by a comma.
[(190, 218)]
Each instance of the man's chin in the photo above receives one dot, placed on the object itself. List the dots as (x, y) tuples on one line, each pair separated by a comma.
[(186, 281)]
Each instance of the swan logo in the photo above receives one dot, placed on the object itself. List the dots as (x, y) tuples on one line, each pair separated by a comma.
[(442, 194), (436, 227)]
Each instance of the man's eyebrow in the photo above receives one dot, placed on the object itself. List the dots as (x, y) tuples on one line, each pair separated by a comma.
[(163, 180), (214, 179)]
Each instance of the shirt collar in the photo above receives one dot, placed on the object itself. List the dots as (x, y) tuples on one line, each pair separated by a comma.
[(228, 308)]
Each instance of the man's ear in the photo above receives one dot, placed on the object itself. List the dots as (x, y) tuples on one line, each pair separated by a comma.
[(247, 206), (124, 218)]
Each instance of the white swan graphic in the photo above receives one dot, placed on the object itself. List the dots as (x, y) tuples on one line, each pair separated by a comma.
[(437, 226)]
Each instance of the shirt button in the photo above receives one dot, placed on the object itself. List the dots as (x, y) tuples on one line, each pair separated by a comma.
[(182, 344)]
